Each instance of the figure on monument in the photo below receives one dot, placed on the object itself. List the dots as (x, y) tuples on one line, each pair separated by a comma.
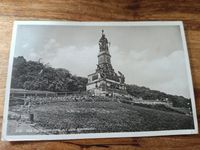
[(103, 43)]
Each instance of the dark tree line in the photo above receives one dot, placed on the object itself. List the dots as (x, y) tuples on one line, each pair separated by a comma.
[(148, 94), (34, 75)]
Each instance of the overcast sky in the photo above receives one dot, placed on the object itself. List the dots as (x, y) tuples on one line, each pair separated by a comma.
[(150, 56)]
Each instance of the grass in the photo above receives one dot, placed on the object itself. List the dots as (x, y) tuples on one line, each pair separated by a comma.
[(107, 117)]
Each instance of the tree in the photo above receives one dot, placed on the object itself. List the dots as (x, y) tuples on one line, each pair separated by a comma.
[(148, 94), (33, 75)]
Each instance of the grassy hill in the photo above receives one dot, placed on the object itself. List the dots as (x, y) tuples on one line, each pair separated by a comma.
[(92, 117)]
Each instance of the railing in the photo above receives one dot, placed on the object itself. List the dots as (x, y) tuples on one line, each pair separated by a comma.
[(24, 94)]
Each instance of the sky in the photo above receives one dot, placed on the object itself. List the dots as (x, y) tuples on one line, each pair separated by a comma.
[(150, 56)]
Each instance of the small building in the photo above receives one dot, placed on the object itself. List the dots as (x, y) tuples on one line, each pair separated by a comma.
[(105, 81)]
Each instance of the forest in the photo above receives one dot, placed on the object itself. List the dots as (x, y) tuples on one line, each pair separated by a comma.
[(34, 75), (148, 94)]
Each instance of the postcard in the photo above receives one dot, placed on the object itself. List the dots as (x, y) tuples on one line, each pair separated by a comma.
[(81, 80)]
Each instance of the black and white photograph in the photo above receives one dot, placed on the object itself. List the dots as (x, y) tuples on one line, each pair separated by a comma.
[(76, 80)]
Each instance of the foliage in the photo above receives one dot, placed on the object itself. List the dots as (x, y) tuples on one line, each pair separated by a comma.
[(34, 75), (148, 94)]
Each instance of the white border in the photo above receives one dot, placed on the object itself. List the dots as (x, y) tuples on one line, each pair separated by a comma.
[(5, 137)]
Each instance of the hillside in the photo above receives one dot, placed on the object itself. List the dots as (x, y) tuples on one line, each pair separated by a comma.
[(34, 75), (100, 116), (148, 94)]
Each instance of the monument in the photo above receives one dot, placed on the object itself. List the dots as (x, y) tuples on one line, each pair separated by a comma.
[(105, 81)]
